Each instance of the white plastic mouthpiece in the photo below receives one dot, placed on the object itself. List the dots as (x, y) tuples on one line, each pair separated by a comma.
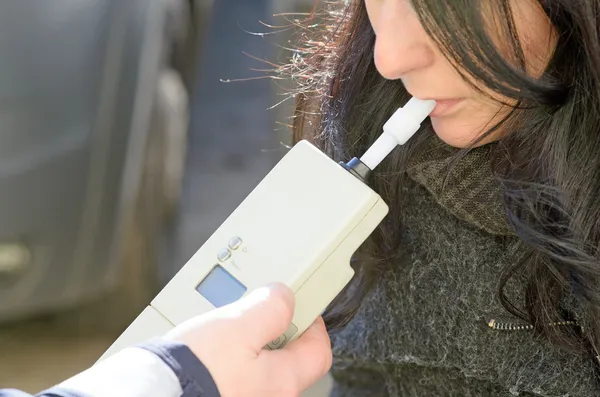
[(403, 124)]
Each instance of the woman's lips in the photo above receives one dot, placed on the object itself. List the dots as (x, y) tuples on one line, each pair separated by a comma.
[(445, 106)]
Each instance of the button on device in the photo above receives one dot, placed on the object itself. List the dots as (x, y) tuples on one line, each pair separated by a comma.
[(283, 339), (224, 254), (277, 343), (235, 243)]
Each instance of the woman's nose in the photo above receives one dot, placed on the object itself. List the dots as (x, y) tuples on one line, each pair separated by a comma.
[(402, 45)]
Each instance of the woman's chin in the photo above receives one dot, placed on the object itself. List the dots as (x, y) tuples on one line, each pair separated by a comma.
[(456, 134)]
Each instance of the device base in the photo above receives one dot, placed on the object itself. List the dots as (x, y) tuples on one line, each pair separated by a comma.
[(149, 324)]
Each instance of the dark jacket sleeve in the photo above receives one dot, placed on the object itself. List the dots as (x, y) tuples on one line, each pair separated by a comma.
[(194, 378)]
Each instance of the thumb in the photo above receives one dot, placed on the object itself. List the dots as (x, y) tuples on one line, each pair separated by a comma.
[(303, 362), (263, 315)]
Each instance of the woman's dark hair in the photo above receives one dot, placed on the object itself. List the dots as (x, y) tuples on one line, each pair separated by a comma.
[(547, 163)]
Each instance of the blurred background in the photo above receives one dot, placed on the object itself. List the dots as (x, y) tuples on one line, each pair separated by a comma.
[(122, 148)]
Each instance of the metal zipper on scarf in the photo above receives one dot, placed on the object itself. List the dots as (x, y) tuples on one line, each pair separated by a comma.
[(493, 324)]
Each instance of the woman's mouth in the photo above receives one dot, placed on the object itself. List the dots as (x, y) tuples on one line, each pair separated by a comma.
[(444, 107)]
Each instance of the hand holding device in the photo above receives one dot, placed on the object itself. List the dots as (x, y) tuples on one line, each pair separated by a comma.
[(229, 341)]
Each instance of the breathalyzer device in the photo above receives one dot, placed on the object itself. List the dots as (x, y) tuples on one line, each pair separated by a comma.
[(299, 226)]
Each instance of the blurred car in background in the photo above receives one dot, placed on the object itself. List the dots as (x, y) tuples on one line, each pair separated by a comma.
[(93, 124)]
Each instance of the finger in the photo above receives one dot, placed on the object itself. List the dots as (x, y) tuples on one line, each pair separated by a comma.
[(304, 361), (262, 315)]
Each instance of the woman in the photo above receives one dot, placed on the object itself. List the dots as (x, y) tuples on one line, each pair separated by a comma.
[(483, 280)]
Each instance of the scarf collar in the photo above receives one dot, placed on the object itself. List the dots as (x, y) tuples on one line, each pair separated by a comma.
[(465, 188)]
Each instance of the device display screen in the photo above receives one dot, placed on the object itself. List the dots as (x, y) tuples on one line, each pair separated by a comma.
[(220, 288)]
